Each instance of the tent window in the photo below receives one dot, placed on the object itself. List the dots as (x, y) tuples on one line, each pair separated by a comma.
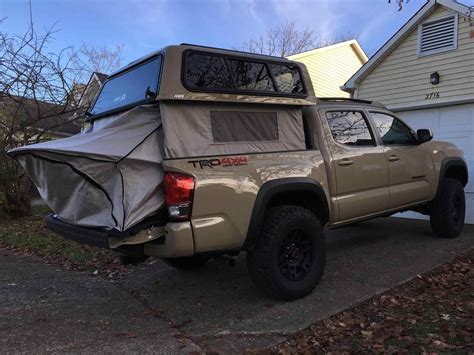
[(240, 126)]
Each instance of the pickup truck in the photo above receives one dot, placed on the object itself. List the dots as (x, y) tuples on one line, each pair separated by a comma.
[(251, 161)]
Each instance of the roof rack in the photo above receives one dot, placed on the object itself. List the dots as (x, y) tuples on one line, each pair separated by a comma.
[(349, 100), (344, 99), (234, 50)]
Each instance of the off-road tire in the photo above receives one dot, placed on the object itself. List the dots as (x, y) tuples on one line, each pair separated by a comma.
[(131, 260), (266, 261), (187, 262), (448, 209)]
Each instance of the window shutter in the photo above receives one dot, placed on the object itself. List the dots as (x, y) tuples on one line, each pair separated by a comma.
[(438, 36)]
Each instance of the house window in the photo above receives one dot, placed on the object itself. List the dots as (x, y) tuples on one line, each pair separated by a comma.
[(439, 35)]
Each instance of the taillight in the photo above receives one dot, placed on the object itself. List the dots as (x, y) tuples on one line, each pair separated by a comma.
[(179, 191)]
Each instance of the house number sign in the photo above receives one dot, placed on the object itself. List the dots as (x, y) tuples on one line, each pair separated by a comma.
[(433, 95)]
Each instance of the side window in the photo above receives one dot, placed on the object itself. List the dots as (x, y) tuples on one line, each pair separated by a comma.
[(288, 78), (207, 71), (251, 76), (392, 130), (350, 128), (228, 74)]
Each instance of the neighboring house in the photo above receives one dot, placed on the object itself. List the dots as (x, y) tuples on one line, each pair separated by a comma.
[(425, 73), (57, 121), (90, 91), (331, 66)]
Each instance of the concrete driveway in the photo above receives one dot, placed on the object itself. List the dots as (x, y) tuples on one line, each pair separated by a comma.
[(156, 308)]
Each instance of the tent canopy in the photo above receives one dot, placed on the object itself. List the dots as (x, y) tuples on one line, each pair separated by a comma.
[(109, 176)]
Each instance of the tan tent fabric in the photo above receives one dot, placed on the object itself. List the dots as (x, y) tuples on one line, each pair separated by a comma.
[(188, 129), (110, 176)]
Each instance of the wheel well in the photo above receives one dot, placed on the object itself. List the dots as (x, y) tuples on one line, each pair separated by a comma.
[(307, 199), (457, 172), (304, 192)]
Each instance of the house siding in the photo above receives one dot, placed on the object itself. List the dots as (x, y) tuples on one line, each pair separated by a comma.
[(329, 69), (402, 79)]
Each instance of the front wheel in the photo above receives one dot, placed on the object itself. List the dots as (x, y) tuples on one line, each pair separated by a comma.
[(448, 210), (289, 258)]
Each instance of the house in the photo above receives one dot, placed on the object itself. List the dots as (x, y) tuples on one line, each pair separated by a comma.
[(331, 66), (46, 119), (89, 92), (425, 73)]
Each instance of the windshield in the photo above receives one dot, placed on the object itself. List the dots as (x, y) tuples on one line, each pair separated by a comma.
[(133, 86)]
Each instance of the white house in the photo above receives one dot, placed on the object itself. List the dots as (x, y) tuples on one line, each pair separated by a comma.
[(425, 73)]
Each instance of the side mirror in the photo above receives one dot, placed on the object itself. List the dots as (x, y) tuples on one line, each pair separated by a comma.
[(424, 135)]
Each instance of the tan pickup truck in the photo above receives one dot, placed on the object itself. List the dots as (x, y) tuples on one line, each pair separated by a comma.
[(247, 159)]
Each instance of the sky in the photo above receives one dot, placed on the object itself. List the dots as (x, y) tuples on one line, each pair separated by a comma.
[(143, 26)]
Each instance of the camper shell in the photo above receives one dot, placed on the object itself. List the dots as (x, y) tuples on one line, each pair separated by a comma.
[(173, 85)]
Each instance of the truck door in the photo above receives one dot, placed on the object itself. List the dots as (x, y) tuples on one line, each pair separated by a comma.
[(411, 169), (360, 166)]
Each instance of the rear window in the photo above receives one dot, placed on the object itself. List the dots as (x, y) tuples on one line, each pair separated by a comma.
[(227, 74), (131, 87)]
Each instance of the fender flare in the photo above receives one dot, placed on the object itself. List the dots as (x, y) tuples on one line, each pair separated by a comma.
[(448, 163), (272, 189)]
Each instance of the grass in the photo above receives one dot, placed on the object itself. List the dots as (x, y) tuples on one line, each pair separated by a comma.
[(29, 235)]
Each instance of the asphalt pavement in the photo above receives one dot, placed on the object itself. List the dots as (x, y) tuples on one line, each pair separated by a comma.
[(154, 308)]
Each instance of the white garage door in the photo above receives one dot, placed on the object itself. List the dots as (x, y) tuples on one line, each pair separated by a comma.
[(453, 124)]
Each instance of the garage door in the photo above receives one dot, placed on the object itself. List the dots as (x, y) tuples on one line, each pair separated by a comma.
[(453, 124)]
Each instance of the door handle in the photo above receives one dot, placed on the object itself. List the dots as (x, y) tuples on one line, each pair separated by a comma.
[(345, 162), (393, 158)]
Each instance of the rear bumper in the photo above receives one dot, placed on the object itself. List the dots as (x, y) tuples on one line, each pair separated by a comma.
[(170, 240), (89, 236)]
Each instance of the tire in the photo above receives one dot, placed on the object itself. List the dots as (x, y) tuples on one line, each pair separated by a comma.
[(187, 262), (288, 260), (448, 210), (131, 260)]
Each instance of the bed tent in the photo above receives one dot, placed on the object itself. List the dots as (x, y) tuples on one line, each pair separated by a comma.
[(111, 175)]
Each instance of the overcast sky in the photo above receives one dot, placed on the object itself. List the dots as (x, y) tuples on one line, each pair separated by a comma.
[(143, 26)]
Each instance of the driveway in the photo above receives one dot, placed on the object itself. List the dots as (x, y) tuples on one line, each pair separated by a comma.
[(156, 308)]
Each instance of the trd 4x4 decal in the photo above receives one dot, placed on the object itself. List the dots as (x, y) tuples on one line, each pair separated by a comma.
[(224, 162)]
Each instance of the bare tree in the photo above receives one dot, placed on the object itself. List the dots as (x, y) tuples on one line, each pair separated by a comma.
[(286, 39), (98, 59), (282, 41), (400, 3), (36, 99)]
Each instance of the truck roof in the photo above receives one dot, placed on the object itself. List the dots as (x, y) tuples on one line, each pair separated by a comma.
[(348, 101)]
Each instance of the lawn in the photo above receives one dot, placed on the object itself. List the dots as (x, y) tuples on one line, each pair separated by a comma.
[(29, 235)]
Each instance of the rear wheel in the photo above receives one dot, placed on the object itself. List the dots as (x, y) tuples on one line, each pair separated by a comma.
[(448, 209), (289, 258), (187, 262)]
